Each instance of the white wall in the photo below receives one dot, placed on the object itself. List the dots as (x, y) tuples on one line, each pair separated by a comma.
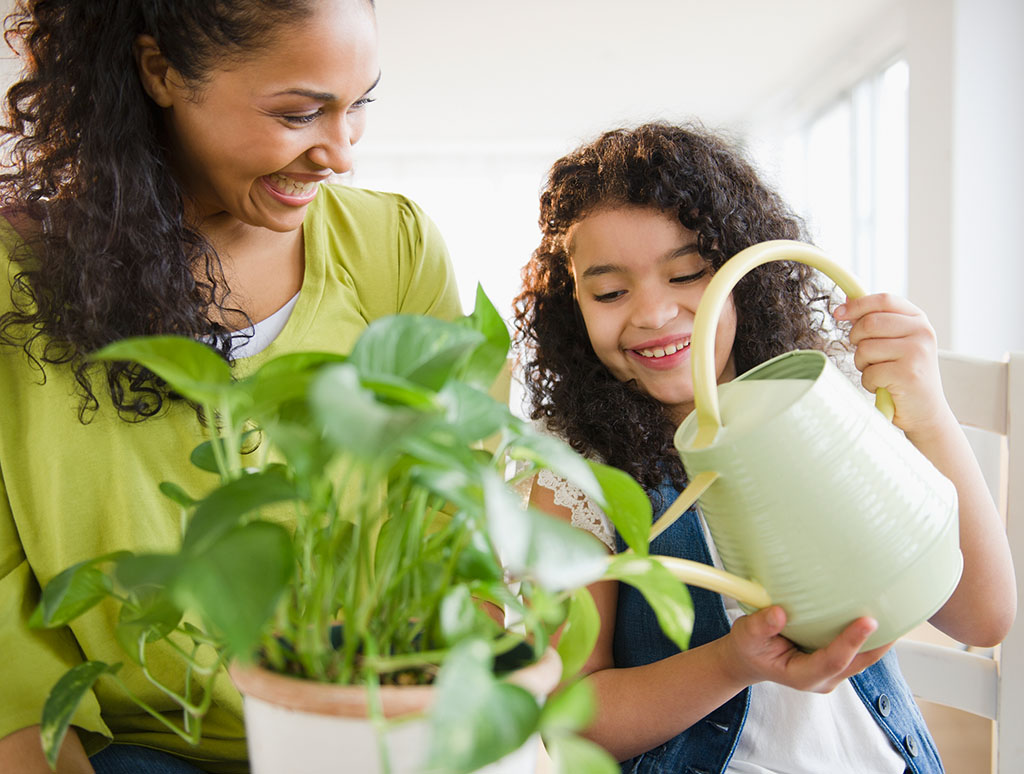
[(966, 170), (479, 96)]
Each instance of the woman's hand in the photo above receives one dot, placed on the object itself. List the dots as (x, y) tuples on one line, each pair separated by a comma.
[(895, 349), (22, 752), (755, 651)]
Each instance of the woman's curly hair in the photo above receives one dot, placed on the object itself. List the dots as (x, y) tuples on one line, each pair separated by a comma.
[(109, 252), (706, 183)]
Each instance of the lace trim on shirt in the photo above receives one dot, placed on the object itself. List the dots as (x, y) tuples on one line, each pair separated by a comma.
[(585, 514)]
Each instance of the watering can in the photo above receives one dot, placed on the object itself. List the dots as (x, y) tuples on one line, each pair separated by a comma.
[(815, 501)]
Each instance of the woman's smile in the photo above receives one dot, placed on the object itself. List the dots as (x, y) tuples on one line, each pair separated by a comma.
[(291, 190)]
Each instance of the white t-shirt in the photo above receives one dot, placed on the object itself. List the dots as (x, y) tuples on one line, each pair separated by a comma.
[(786, 731), (259, 336)]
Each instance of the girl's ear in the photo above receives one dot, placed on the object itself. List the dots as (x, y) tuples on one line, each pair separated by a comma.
[(156, 74)]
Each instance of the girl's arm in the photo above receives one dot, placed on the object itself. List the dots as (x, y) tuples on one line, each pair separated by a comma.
[(896, 349), (642, 707), (23, 752)]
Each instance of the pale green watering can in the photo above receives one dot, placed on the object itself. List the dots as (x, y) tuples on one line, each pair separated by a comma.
[(813, 498)]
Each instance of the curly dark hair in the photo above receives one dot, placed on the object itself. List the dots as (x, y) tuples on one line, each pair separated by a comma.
[(704, 181), (110, 253)]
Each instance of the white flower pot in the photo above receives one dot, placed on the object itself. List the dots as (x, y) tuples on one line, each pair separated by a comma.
[(298, 726)]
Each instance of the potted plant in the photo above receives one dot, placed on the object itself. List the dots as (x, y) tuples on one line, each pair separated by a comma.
[(358, 554)]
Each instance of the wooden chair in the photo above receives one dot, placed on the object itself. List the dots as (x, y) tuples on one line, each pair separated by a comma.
[(987, 395)]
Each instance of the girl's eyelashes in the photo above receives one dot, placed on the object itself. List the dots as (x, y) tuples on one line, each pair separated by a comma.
[(361, 103), (689, 277), (681, 280)]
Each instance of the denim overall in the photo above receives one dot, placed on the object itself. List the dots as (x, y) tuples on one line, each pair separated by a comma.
[(707, 746)]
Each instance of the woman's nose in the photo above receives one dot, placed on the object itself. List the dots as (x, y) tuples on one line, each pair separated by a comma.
[(334, 149)]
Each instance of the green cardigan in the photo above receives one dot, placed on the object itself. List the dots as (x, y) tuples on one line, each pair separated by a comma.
[(71, 491)]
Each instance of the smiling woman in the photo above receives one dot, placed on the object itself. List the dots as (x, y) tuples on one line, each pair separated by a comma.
[(169, 174)]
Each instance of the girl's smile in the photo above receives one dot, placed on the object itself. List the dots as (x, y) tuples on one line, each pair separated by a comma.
[(664, 353), (639, 279)]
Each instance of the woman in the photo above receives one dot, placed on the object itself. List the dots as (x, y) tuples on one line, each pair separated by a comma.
[(169, 168)]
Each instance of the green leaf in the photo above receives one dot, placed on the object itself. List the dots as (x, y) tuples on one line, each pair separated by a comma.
[(354, 421), (152, 617), (204, 458), (289, 365), (557, 456), (477, 561), (574, 755), (579, 635), (396, 390), (147, 570), (488, 359), (534, 545), (73, 591), (568, 710), (302, 445), (626, 505), (235, 584), (423, 350), (666, 595), (284, 380), (176, 494), (473, 415), (476, 718), (460, 617), (62, 702), (222, 509), (193, 369)]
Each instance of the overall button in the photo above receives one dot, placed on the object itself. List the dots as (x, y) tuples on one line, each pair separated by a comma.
[(884, 705), (911, 744)]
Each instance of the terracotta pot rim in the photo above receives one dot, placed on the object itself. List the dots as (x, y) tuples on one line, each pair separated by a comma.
[(351, 701)]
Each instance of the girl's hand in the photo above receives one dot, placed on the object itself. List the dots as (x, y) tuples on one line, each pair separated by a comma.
[(758, 652), (895, 348)]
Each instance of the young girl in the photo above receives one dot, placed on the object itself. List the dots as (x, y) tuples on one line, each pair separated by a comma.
[(168, 176), (634, 225)]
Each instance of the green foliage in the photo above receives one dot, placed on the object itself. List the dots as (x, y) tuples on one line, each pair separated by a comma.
[(477, 718), (372, 511), (64, 699), (661, 590), (579, 635)]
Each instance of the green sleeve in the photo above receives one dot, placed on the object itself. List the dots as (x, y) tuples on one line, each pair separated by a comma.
[(33, 659), (426, 276)]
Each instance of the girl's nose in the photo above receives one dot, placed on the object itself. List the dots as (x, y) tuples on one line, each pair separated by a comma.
[(653, 310)]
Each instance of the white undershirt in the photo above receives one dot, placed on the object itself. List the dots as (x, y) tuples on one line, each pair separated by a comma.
[(261, 334), (786, 731), (796, 732)]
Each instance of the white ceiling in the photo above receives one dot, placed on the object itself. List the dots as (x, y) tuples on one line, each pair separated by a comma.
[(526, 72)]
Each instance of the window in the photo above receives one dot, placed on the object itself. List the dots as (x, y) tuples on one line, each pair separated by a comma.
[(845, 171)]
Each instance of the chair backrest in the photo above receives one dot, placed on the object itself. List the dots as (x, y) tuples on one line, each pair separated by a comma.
[(987, 395)]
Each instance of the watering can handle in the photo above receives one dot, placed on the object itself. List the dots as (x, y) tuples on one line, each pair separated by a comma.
[(705, 386)]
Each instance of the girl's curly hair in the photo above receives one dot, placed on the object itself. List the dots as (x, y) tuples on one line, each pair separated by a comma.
[(706, 183), (110, 253)]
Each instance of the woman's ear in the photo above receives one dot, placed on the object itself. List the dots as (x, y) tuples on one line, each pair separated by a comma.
[(155, 72)]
